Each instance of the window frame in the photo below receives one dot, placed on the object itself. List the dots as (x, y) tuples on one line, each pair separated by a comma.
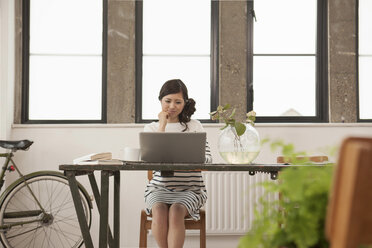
[(321, 69), (25, 70), (214, 61), (357, 63)]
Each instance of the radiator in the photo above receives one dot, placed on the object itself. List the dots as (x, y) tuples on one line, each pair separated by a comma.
[(231, 201)]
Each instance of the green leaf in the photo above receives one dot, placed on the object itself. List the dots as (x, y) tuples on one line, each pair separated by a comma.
[(226, 107), (232, 114), (264, 141), (240, 128), (222, 128), (213, 113)]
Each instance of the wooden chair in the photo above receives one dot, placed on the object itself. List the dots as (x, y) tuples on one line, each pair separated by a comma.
[(349, 213), (190, 224)]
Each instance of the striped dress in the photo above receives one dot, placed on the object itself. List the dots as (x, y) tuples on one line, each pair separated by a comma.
[(184, 187)]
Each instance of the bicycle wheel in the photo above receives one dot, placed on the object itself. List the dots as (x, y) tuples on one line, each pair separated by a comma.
[(59, 229)]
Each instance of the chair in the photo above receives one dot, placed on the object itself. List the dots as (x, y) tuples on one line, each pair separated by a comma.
[(349, 215), (190, 224)]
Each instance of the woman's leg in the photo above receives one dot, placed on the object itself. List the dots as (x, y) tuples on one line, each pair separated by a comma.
[(176, 228), (159, 225)]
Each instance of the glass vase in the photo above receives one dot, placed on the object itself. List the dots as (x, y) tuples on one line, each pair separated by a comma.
[(236, 149)]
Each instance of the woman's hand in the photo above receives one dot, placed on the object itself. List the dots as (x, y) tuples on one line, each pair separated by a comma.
[(163, 120)]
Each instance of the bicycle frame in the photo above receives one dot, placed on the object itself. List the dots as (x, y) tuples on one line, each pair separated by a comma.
[(22, 214), (8, 157), (40, 213)]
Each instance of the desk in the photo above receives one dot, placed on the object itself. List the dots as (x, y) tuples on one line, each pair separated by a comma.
[(101, 197)]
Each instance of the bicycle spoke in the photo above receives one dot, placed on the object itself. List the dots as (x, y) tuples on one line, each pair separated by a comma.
[(54, 195), (67, 197), (25, 232), (70, 233), (64, 235), (25, 238), (59, 237)]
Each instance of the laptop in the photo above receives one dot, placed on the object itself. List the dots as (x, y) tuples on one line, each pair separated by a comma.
[(173, 147)]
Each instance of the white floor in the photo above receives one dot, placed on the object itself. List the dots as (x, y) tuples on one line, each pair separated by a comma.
[(230, 241)]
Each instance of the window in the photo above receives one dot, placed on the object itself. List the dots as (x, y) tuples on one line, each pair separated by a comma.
[(64, 61), (176, 39), (365, 59), (287, 74)]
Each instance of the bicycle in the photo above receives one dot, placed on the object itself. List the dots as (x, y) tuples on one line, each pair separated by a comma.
[(37, 209)]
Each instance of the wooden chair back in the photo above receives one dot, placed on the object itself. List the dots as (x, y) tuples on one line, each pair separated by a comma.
[(349, 213), (149, 175)]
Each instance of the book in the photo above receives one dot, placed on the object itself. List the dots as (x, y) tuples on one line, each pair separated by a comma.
[(94, 156), (101, 162)]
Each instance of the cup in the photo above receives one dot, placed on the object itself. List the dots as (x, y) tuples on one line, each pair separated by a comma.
[(132, 154)]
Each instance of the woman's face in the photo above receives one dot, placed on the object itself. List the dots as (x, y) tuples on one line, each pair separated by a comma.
[(173, 105)]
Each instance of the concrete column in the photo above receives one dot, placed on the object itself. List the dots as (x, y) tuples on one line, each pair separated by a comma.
[(342, 61), (232, 55), (121, 62), (18, 62)]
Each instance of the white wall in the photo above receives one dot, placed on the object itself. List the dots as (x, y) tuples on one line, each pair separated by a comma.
[(59, 144), (6, 67)]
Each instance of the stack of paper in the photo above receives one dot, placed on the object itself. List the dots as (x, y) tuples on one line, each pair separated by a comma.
[(103, 158)]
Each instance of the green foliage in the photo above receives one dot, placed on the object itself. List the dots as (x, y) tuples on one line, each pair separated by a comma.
[(223, 113), (297, 219)]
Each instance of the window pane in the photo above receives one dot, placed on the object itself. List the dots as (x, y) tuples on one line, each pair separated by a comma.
[(193, 71), (365, 27), (176, 44), (66, 26), (176, 27), (286, 27), (284, 86), (365, 87), (65, 66), (65, 87)]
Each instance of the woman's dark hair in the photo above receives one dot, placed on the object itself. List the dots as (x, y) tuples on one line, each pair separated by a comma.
[(175, 86)]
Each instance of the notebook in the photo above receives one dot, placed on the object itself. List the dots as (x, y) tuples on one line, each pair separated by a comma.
[(173, 147)]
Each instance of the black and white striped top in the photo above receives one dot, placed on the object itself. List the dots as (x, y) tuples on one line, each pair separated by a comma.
[(185, 187)]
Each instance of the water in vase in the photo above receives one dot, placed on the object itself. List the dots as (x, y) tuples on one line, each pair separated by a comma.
[(239, 157)]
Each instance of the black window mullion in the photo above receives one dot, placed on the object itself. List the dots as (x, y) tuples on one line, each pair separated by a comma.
[(250, 92), (25, 59), (214, 57), (104, 62), (321, 60), (138, 58)]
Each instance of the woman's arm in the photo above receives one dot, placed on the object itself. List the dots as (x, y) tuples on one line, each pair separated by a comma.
[(163, 120)]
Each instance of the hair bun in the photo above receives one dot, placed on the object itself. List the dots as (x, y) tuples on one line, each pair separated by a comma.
[(190, 101), (189, 109)]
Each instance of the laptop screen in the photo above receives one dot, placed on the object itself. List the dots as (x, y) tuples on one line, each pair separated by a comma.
[(173, 147)]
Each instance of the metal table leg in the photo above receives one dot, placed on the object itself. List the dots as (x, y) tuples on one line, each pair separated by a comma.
[(116, 209), (103, 225), (79, 209), (97, 197)]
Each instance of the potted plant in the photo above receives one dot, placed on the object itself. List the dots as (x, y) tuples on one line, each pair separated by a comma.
[(297, 218), (239, 143)]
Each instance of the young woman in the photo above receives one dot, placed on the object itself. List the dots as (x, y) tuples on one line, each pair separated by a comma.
[(170, 198)]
